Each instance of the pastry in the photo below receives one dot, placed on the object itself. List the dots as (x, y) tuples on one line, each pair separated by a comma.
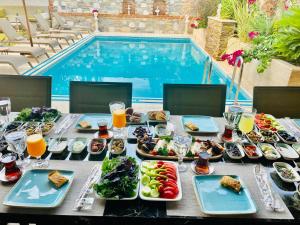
[(152, 115), (231, 183), (191, 126), (85, 124), (161, 115), (57, 179)]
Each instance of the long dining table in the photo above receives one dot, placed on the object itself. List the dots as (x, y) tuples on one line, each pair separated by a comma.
[(138, 211)]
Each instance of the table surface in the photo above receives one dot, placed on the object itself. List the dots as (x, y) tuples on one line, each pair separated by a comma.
[(115, 211)]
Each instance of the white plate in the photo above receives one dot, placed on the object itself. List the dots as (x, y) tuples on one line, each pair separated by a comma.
[(240, 148), (211, 169), (297, 148), (179, 196), (288, 166), (72, 141), (286, 151), (258, 151), (95, 153), (273, 149), (53, 147), (287, 142)]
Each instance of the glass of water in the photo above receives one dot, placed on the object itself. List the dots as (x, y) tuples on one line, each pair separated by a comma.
[(5, 108), (17, 141), (182, 144)]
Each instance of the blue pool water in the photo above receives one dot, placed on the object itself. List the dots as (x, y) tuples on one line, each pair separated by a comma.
[(146, 62)]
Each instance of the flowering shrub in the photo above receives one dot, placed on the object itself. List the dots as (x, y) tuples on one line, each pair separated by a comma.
[(231, 58), (253, 34), (198, 23), (251, 2)]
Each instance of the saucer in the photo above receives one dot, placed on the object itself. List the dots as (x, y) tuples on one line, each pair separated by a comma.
[(211, 169), (110, 135)]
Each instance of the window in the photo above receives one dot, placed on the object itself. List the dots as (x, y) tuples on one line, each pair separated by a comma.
[(129, 7), (159, 7)]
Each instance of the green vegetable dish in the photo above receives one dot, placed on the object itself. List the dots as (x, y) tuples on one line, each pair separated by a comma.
[(119, 178), (38, 114)]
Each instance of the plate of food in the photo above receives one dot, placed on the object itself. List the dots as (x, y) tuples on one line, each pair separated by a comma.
[(119, 179), (96, 146), (77, 145), (286, 151), (234, 150), (12, 126), (40, 188), (269, 136), (164, 148), (286, 137), (31, 127), (162, 116), (117, 146), (255, 137), (164, 130), (89, 122), (286, 172), (139, 131), (295, 146), (38, 114), (199, 124), (267, 122), (160, 181), (252, 151), (57, 145), (133, 117), (269, 151), (223, 195)]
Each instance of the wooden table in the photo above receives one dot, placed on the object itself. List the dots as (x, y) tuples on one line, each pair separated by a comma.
[(115, 212)]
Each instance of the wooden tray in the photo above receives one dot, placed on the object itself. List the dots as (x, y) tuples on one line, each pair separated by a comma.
[(149, 156)]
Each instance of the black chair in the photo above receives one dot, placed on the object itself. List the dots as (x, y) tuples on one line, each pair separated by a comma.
[(94, 97), (278, 101), (195, 99), (26, 91)]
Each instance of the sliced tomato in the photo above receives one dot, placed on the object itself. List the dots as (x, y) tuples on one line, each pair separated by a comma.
[(160, 188), (171, 153), (172, 176), (171, 184), (173, 189), (168, 194)]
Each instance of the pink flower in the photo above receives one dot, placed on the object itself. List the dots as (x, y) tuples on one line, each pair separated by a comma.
[(193, 25), (251, 2), (231, 58), (95, 11), (253, 34)]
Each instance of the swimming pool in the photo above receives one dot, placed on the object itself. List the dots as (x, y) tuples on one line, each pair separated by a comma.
[(146, 62)]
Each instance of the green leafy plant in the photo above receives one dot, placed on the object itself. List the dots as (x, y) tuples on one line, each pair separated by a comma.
[(262, 24), (227, 9), (287, 39)]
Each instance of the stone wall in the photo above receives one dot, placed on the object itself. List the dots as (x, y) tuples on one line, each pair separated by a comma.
[(112, 17)]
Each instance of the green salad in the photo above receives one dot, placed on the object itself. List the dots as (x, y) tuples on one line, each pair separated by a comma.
[(38, 114), (119, 178)]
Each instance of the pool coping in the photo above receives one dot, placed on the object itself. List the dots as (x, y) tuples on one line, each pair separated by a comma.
[(70, 49)]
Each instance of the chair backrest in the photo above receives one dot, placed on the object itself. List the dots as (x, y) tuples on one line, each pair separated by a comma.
[(278, 101), (42, 22), (26, 91), (9, 31), (195, 99), (94, 97), (33, 29), (59, 19)]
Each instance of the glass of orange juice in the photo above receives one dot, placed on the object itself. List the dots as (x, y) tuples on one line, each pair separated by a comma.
[(36, 147), (117, 110)]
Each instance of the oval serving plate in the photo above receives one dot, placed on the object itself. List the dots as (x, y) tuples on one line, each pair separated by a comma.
[(286, 151), (289, 167), (230, 154), (257, 150), (98, 152), (276, 154)]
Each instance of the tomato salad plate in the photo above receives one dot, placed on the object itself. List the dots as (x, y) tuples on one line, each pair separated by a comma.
[(160, 181)]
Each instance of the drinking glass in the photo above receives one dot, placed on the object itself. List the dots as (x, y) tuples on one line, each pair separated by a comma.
[(246, 123), (36, 147), (102, 129), (16, 139), (117, 110), (12, 171), (182, 145), (5, 108)]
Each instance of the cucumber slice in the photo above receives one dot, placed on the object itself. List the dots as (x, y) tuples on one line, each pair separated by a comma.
[(144, 170), (146, 191), (154, 193), (145, 179)]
